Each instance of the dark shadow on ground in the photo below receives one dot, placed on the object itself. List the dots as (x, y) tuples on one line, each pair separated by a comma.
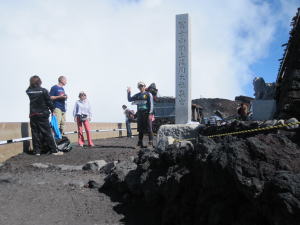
[(135, 212)]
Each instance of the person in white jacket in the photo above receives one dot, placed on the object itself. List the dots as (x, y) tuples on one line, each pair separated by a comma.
[(82, 115)]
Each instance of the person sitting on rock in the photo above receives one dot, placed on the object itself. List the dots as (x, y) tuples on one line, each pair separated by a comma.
[(243, 111), (144, 102)]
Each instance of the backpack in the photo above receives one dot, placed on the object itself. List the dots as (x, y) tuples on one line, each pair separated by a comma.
[(130, 115), (152, 89), (63, 144)]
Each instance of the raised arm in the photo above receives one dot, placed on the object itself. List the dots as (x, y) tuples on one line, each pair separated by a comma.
[(130, 99)]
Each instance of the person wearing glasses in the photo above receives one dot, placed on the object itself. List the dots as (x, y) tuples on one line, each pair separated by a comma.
[(144, 102), (82, 115)]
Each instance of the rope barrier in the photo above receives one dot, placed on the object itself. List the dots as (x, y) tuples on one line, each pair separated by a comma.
[(255, 130), (243, 131), (10, 141)]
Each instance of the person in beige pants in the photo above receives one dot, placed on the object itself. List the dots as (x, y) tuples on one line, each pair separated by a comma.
[(59, 97)]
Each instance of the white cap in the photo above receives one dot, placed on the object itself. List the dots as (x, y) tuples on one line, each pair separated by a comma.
[(141, 84)]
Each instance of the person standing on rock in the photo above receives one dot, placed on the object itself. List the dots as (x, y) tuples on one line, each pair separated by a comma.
[(129, 117), (59, 97), (40, 107), (144, 102), (82, 115)]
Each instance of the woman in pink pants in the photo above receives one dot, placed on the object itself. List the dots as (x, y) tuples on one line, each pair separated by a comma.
[(82, 115)]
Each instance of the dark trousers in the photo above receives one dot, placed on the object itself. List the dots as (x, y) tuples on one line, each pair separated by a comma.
[(128, 128), (42, 138), (144, 125)]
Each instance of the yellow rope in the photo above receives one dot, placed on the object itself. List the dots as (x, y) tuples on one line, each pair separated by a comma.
[(244, 131), (254, 130)]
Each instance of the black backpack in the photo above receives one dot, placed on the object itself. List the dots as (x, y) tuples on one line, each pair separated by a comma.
[(63, 144), (152, 89)]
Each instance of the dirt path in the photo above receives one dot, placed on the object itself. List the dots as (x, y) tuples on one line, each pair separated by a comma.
[(35, 196)]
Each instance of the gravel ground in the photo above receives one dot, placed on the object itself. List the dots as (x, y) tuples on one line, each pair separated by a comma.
[(36, 196)]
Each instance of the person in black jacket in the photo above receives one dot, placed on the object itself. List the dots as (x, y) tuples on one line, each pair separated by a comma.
[(144, 102), (40, 107)]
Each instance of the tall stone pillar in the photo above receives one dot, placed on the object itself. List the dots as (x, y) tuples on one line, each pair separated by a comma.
[(183, 72)]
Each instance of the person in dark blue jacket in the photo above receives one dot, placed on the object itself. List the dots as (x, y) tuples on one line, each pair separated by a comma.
[(40, 108), (144, 102)]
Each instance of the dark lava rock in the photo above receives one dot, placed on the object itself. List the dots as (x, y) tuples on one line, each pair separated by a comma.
[(232, 180), (92, 184), (120, 178), (94, 165)]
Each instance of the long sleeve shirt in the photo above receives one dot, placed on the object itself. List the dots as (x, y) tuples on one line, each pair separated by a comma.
[(82, 108), (143, 100), (40, 102)]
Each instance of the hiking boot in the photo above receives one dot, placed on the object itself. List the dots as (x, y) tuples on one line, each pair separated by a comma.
[(57, 153)]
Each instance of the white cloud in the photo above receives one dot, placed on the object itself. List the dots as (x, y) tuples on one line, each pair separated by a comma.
[(105, 46)]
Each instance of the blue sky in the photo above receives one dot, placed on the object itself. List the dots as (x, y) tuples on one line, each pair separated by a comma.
[(267, 67), (103, 47)]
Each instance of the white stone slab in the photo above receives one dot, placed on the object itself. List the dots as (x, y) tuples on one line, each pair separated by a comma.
[(183, 73), (176, 132)]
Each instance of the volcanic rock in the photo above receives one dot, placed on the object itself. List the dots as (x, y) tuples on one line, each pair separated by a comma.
[(249, 180), (94, 165)]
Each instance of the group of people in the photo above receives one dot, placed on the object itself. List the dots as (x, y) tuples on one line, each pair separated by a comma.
[(42, 103)]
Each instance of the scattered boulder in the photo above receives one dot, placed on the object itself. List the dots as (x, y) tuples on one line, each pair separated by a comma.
[(94, 165), (76, 184), (120, 178), (67, 167), (293, 121), (108, 167), (40, 165), (92, 184)]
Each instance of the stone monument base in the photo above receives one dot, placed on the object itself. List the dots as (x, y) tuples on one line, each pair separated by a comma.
[(167, 134)]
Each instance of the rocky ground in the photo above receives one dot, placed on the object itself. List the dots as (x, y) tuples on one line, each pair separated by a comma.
[(234, 180), (35, 195), (243, 180)]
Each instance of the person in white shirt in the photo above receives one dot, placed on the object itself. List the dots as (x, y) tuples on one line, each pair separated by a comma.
[(82, 115)]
